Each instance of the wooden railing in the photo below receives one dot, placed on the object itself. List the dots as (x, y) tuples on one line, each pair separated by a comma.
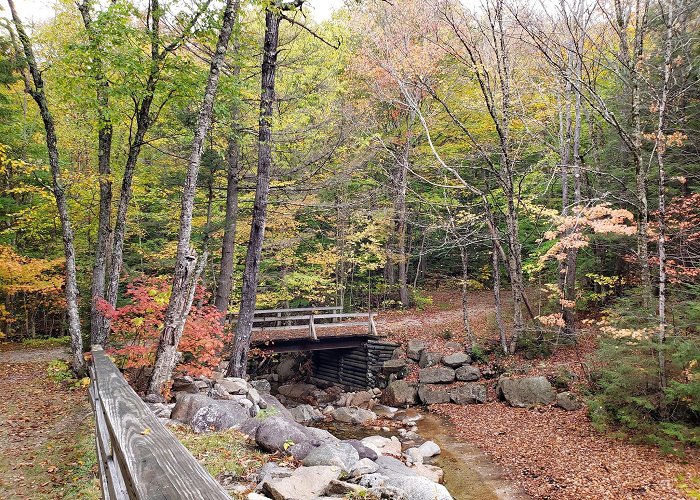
[(315, 321), (138, 457)]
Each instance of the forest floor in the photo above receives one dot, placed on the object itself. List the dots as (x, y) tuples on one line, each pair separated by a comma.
[(46, 430), (551, 453)]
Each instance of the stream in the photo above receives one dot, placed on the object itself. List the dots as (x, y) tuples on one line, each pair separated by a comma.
[(469, 474)]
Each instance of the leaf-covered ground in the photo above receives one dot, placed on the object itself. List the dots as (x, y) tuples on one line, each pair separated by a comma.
[(551, 453), (46, 430)]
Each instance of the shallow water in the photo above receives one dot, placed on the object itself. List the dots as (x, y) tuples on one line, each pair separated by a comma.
[(469, 475)]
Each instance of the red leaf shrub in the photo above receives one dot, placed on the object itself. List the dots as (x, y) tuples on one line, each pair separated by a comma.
[(136, 328)]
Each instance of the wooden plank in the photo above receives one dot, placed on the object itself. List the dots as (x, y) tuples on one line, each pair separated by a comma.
[(156, 465), (306, 317), (261, 312)]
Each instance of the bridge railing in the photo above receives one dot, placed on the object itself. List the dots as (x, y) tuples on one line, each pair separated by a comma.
[(138, 457)]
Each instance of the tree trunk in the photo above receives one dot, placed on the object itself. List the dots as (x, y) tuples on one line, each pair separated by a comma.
[(228, 244), (660, 150), (184, 283), (104, 149), (463, 252), (497, 297), (241, 341), (71, 284)]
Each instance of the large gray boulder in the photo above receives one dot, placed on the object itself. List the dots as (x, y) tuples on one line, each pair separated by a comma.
[(390, 466), (352, 415), (261, 385), (340, 454), (189, 404), (526, 392), (429, 359), (433, 394), (362, 450), (469, 393), (320, 436), (429, 449), (234, 385), (383, 445), (468, 373), (400, 393), (417, 487), (219, 416), (456, 360), (288, 368), (279, 433), (305, 413), (304, 483), (414, 349), (436, 375), (568, 401), (273, 407)]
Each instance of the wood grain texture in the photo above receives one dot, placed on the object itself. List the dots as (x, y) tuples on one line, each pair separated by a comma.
[(154, 464)]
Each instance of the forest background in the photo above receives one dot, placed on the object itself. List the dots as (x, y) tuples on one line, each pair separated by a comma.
[(544, 151)]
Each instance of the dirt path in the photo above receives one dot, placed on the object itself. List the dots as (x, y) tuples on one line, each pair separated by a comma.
[(45, 430)]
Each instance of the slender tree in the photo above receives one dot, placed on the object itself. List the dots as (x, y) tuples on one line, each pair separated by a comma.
[(34, 85), (185, 277)]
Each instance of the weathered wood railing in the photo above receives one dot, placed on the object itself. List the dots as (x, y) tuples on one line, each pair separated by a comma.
[(138, 457), (310, 322)]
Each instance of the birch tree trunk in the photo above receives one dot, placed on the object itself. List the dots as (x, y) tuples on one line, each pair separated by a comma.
[(184, 280), (660, 151), (497, 297), (35, 87), (241, 342)]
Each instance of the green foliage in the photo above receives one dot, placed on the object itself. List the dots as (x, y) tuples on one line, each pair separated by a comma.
[(49, 342), (478, 354), (537, 344), (627, 393), (59, 371), (421, 299)]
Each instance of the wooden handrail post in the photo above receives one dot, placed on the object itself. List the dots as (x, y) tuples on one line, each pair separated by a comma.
[(312, 328)]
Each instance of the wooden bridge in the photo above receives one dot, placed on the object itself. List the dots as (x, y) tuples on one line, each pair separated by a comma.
[(139, 459), (346, 348)]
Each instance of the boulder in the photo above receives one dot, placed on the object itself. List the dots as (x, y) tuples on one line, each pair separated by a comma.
[(432, 394), (416, 487), (253, 395), (394, 366), (526, 392), (320, 436), (400, 393), (261, 385), (432, 472), (278, 434), (413, 456), (219, 392), (469, 393), (414, 349), (428, 359), (468, 373), (256, 496), (364, 466), (271, 470), (301, 451), (362, 399), (351, 415), (288, 368), (436, 375), (339, 454), (456, 360), (568, 401), (383, 446), (298, 392), (219, 416), (305, 413), (429, 449), (154, 398), (303, 483), (234, 385), (347, 490), (184, 384), (250, 426), (188, 404), (362, 450), (273, 407), (390, 466)]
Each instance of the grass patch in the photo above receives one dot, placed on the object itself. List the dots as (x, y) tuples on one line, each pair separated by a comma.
[(222, 453), (49, 342)]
